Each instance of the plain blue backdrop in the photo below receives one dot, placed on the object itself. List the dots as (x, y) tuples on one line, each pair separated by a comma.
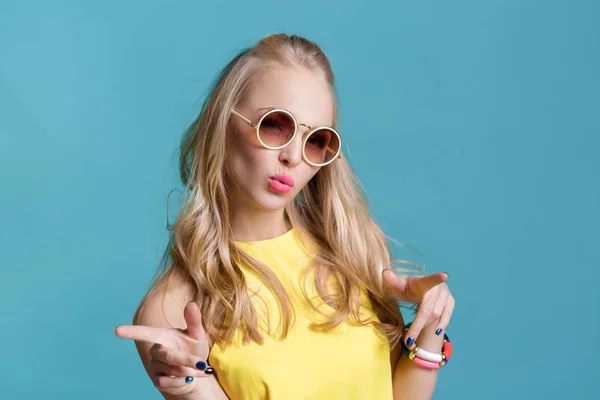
[(473, 126)]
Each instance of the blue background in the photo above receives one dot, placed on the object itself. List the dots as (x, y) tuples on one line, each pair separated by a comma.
[(473, 126)]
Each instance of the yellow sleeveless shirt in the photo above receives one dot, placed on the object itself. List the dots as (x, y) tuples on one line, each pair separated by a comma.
[(349, 362)]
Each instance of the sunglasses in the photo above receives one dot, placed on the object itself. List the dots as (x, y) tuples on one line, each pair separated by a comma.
[(277, 128)]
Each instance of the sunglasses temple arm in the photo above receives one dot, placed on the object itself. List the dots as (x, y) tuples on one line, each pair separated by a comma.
[(250, 123)]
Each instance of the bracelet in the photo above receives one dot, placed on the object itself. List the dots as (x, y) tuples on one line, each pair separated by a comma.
[(426, 364), (427, 359), (428, 356)]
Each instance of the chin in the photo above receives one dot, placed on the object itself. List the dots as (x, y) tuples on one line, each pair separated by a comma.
[(273, 201), (263, 198), (270, 200)]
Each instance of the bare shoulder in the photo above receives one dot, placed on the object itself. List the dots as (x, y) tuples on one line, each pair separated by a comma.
[(164, 308)]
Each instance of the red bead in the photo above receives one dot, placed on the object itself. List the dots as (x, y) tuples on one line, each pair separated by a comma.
[(447, 350)]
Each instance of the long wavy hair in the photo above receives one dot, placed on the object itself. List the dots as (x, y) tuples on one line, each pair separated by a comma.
[(331, 211)]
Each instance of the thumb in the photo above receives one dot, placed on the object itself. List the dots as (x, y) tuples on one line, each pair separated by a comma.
[(193, 320)]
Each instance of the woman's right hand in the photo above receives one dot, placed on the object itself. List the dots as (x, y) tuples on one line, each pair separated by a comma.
[(176, 354)]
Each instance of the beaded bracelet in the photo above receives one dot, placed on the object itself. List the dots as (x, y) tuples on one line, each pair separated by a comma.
[(428, 359)]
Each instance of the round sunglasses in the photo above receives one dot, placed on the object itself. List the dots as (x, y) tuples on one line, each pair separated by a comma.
[(277, 127)]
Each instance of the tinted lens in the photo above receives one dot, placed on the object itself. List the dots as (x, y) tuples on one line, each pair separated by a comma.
[(276, 129), (322, 146)]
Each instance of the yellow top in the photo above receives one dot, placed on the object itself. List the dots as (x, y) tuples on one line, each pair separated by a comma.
[(352, 362)]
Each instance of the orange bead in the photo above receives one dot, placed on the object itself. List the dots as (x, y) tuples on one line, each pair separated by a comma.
[(447, 350)]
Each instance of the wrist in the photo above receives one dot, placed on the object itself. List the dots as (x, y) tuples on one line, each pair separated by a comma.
[(424, 351), (214, 390)]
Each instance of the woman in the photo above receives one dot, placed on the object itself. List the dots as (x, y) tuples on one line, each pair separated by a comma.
[(277, 282)]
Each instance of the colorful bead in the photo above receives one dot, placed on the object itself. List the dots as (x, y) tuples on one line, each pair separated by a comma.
[(428, 356), (426, 364), (412, 353), (447, 350)]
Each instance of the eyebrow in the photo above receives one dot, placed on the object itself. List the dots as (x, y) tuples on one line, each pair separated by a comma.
[(264, 108), (271, 108)]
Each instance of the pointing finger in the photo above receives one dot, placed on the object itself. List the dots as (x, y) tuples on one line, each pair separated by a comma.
[(421, 285), (144, 333)]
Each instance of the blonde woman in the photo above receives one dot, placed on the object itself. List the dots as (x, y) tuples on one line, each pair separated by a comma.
[(277, 282)]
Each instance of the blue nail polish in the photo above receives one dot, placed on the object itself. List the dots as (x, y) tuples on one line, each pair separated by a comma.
[(189, 379), (438, 331), (410, 341), (201, 365), (209, 371)]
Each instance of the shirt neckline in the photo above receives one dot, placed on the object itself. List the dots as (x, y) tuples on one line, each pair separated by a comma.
[(281, 237)]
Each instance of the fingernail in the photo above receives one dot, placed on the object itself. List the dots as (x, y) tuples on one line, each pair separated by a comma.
[(201, 365), (438, 331), (410, 341), (189, 379), (447, 274), (209, 371)]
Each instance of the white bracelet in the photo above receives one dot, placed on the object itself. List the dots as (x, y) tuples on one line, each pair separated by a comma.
[(427, 355)]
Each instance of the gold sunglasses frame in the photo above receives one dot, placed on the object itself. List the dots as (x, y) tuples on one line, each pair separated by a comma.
[(256, 126)]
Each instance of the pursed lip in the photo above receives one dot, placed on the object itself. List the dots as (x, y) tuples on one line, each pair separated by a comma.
[(284, 178)]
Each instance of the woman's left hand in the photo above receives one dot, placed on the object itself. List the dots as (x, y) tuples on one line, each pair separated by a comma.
[(433, 296)]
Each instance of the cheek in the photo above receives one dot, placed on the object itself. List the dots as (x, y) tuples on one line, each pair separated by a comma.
[(306, 175), (246, 163)]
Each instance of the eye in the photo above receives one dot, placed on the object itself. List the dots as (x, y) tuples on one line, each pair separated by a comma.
[(317, 141), (277, 124), (271, 123)]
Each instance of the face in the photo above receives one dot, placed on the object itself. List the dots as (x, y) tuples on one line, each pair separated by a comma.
[(250, 167)]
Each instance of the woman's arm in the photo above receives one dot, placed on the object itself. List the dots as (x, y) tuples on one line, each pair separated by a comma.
[(436, 304), (411, 381), (166, 310)]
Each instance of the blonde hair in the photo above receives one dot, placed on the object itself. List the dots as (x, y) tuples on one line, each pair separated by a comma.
[(331, 211)]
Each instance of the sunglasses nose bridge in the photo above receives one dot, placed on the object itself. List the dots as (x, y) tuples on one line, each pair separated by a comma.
[(302, 130), (304, 125)]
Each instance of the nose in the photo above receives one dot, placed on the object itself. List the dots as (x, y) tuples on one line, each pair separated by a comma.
[(291, 155)]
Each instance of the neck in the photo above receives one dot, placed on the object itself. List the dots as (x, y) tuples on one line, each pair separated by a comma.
[(253, 225)]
